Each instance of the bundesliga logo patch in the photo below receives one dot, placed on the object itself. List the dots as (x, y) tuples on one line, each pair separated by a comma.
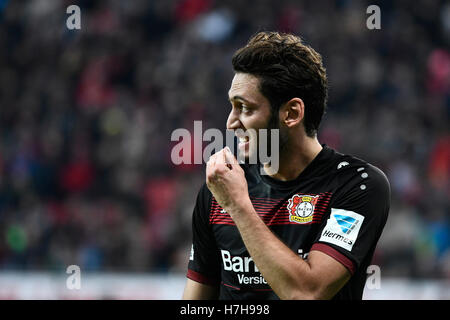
[(301, 208), (342, 228)]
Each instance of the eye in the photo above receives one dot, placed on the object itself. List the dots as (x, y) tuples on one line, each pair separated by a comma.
[(241, 107), (244, 108)]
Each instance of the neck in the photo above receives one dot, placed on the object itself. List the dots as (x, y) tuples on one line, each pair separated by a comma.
[(294, 158)]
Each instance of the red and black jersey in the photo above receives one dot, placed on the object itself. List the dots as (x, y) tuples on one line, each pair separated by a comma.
[(338, 205)]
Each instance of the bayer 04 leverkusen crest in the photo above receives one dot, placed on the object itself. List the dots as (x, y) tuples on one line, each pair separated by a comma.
[(301, 208)]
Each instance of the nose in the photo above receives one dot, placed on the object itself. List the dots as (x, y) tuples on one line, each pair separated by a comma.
[(233, 121)]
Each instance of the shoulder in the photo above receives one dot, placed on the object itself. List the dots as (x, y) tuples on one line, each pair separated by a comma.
[(351, 171), (359, 183), (204, 198), (204, 191)]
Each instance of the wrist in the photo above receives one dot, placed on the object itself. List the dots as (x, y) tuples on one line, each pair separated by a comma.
[(241, 207)]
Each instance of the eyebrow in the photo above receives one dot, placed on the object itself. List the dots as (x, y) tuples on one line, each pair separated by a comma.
[(240, 98)]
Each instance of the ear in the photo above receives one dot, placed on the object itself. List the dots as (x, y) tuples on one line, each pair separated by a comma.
[(292, 112)]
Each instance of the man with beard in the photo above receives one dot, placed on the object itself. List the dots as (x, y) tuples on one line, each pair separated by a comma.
[(305, 231)]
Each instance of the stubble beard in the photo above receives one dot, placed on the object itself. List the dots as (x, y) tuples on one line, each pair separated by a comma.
[(283, 138)]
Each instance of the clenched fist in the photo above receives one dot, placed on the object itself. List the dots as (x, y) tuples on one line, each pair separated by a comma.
[(226, 181)]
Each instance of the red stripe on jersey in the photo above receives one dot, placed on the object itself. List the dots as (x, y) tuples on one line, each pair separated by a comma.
[(250, 289), (272, 211), (336, 255), (229, 285), (198, 277)]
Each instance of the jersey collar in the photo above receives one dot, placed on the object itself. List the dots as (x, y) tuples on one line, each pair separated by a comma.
[(317, 165)]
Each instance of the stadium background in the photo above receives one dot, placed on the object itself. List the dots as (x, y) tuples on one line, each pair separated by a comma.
[(86, 117)]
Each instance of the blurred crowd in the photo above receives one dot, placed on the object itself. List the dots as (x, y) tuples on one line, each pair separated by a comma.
[(86, 118)]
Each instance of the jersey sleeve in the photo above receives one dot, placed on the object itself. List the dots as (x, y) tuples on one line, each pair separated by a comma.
[(359, 211), (204, 260)]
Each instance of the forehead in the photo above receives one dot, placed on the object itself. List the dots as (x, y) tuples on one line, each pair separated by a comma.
[(244, 85)]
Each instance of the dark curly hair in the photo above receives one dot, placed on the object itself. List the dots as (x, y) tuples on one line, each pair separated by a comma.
[(286, 68)]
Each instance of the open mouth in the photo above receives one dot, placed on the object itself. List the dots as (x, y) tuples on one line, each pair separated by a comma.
[(243, 142)]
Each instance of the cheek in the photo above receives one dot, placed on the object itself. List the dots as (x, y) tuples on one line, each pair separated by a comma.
[(254, 121)]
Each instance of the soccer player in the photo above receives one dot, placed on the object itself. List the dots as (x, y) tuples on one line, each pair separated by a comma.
[(307, 231)]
